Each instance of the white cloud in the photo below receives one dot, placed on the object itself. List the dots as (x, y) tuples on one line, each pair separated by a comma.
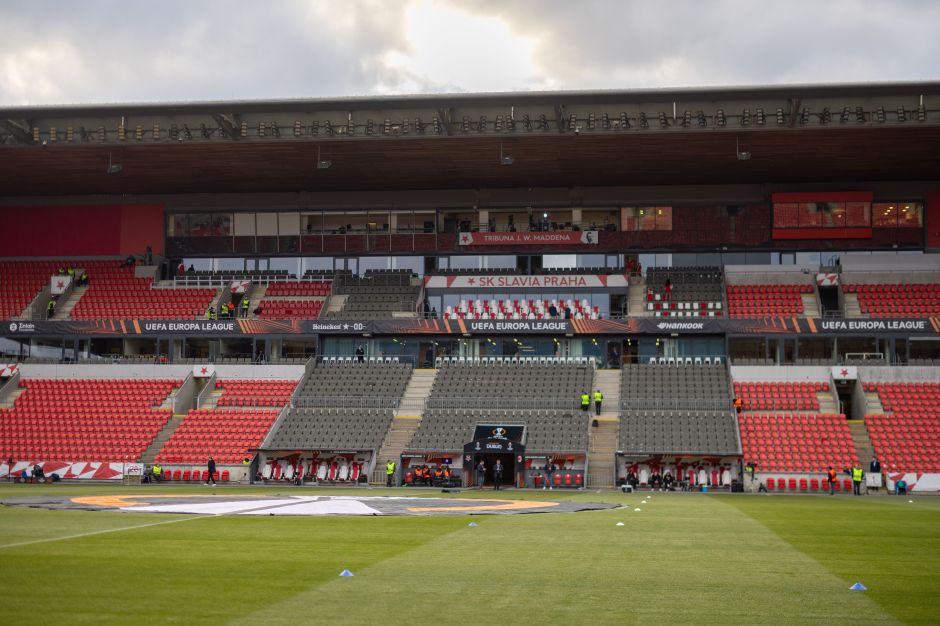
[(60, 51)]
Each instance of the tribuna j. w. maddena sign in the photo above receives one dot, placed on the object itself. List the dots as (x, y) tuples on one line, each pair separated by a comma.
[(629, 326)]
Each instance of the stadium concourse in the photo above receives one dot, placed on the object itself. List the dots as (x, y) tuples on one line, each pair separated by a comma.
[(523, 299)]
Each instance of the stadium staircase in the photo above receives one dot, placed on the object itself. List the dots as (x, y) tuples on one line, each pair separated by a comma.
[(636, 300), (212, 399), (852, 308), (605, 436), (810, 304), (335, 304), (863, 445), (64, 309), (255, 294), (873, 404), (827, 402), (406, 422), (150, 454)]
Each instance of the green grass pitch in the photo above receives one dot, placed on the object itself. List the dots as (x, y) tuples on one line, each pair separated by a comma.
[(683, 559)]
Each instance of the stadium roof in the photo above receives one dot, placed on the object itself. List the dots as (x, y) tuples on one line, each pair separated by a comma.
[(772, 134)]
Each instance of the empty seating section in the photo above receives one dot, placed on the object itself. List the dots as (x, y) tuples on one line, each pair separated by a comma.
[(343, 406), (904, 300), (84, 420), (20, 282), (255, 393), (676, 410), (332, 429), (746, 301), (779, 396), (114, 292), (684, 291), (289, 309), (542, 396), (375, 295), (520, 309), (227, 435), (907, 437), (797, 442)]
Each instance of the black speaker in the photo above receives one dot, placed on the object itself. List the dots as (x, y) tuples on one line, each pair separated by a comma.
[(733, 209)]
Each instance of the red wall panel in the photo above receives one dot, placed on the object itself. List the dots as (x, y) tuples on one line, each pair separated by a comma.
[(933, 220), (823, 196), (141, 226), (80, 230)]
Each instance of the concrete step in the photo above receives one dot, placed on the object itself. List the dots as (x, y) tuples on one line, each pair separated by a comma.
[(11, 399), (602, 446), (335, 303), (396, 440), (64, 309), (852, 309), (160, 440), (810, 305)]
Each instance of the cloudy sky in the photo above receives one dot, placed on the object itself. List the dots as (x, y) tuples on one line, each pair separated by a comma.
[(71, 51)]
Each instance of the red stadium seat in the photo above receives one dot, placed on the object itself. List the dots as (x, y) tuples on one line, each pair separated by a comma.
[(803, 484), (771, 484), (814, 484)]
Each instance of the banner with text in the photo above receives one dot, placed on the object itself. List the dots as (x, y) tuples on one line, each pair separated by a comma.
[(527, 238), (547, 281)]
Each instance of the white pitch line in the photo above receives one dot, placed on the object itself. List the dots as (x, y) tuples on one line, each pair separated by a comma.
[(97, 532)]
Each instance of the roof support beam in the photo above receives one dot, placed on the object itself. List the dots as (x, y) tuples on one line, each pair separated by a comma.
[(20, 130), (227, 123), (447, 118), (560, 117)]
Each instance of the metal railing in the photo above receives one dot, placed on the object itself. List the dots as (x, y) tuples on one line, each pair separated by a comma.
[(504, 404), (674, 404), (346, 402), (204, 280)]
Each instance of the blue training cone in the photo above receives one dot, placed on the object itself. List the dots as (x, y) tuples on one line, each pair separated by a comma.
[(472, 524), (858, 587), (346, 574)]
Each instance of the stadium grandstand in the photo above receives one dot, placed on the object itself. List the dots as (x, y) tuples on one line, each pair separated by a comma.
[(734, 278)]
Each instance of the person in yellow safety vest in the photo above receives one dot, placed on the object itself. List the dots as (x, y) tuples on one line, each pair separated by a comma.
[(210, 314), (157, 473), (598, 398), (585, 402), (857, 475), (50, 309), (389, 473), (246, 302), (71, 272)]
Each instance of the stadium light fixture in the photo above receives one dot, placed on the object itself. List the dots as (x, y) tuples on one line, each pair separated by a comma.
[(405, 126), (465, 124), (720, 118), (526, 122), (298, 128), (419, 126), (275, 130), (205, 131), (880, 115), (844, 116), (114, 168), (572, 121), (102, 134), (53, 134), (328, 127), (591, 122), (902, 114), (322, 164), (543, 122), (644, 123), (243, 130), (663, 122), (746, 117), (759, 114), (826, 116), (262, 129), (482, 127), (804, 116), (36, 134), (139, 132), (605, 121), (315, 128), (499, 123), (504, 159), (781, 120), (859, 115), (436, 124), (350, 125), (370, 127), (511, 122), (921, 113), (121, 131), (686, 119), (69, 134)]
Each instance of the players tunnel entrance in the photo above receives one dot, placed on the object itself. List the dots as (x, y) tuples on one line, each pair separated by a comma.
[(492, 442)]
